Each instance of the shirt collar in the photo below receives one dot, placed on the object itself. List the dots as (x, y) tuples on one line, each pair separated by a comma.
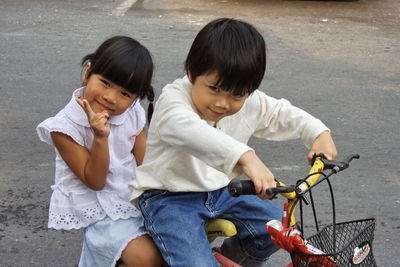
[(76, 114)]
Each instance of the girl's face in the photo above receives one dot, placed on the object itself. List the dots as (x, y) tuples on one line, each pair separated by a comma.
[(103, 94), (212, 102)]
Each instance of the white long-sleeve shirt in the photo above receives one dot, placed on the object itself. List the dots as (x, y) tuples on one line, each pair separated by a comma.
[(186, 153)]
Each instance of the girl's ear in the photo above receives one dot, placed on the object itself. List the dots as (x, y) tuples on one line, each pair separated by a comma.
[(85, 74), (189, 76)]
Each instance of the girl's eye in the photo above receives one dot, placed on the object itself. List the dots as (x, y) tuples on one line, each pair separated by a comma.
[(238, 95), (106, 83), (126, 94)]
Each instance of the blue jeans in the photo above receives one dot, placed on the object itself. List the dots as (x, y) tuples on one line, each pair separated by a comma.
[(176, 222)]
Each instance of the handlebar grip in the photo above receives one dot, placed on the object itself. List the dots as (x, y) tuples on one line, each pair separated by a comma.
[(246, 187), (351, 157), (345, 164), (337, 166), (241, 187)]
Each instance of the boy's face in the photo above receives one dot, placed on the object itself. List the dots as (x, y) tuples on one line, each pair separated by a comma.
[(212, 102)]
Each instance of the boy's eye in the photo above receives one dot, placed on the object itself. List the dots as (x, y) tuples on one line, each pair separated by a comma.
[(214, 88)]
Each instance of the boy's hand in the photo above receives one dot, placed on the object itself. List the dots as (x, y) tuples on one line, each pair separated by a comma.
[(252, 166), (98, 121), (323, 144)]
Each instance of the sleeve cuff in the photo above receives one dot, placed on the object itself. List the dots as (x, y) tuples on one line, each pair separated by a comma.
[(233, 157), (312, 131)]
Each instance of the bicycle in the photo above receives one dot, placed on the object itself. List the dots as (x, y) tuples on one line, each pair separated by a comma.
[(338, 244)]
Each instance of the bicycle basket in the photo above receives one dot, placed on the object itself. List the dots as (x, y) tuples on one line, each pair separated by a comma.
[(345, 244)]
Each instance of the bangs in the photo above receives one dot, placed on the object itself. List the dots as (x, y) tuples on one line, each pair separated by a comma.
[(130, 68), (236, 80), (234, 50)]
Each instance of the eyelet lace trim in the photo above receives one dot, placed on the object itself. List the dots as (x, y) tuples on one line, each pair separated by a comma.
[(121, 210), (75, 219)]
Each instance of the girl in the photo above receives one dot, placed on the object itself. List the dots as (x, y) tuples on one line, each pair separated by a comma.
[(99, 141)]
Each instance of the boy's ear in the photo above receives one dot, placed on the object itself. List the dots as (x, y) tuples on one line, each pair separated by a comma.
[(85, 74)]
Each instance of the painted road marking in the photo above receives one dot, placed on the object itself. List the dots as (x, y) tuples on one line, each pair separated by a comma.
[(123, 7)]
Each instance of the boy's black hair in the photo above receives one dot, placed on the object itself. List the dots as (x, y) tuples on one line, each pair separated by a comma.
[(233, 49), (125, 62)]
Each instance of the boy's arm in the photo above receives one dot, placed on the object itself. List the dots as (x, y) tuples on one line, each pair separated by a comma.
[(252, 166), (179, 126), (323, 144), (278, 120)]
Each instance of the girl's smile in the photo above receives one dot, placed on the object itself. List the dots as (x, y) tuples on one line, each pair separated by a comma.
[(104, 95), (104, 107)]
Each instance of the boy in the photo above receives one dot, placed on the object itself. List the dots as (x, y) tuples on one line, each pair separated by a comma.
[(197, 143)]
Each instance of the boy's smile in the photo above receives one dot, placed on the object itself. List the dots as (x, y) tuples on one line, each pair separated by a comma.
[(212, 102)]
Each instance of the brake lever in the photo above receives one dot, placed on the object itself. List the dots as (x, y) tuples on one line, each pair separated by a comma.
[(334, 165)]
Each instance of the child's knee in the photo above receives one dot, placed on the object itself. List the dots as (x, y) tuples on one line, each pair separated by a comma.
[(141, 252)]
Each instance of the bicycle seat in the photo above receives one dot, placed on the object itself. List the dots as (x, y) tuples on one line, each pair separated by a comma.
[(220, 227)]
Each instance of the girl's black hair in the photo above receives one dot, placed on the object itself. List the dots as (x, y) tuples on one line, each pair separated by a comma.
[(125, 62), (234, 49)]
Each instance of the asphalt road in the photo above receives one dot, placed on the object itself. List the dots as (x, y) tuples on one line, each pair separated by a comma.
[(339, 60)]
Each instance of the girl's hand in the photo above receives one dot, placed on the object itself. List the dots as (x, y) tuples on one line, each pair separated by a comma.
[(98, 121), (252, 166), (323, 144)]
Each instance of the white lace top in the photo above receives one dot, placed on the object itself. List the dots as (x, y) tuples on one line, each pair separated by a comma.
[(73, 205)]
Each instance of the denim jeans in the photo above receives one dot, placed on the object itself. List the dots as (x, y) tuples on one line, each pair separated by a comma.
[(176, 222)]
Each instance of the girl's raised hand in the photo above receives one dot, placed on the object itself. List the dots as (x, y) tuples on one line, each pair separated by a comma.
[(98, 121)]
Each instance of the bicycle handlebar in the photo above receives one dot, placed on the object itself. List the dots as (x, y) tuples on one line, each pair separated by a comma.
[(337, 166), (281, 189), (246, 187)]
